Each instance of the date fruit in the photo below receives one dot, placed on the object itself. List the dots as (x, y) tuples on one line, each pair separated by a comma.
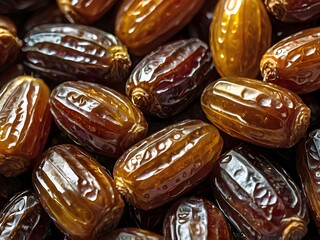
[(76, 52), (257, 112), (76, 192), (131, 233), (144, 25), (240, 33), (294, 62), (195, 218), (97, 117), (24, 123), (167, 164), (258, 197), (168, 79)]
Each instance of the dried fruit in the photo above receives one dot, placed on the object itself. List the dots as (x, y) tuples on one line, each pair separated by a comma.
[(24, 123), (76, 52), (131, 234), (96, 117), (240, 33), (168, 163), (294, 62), (8, 187), (258, 197), (169, 78), (77, 192), (261, 113), (195, 218), (142, 26)]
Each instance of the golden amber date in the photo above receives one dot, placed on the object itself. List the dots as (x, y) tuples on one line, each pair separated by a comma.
[(24, 123), (168, 163), (76, 192), (168, 79), (240, 33), (131, 233), (294, 62), (84, 11), (195, 218), (76, 52), (258, 197), (97, 118), (144, 25), (257, 112)]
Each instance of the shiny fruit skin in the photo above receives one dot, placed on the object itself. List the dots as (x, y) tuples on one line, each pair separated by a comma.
[(97, 117), (24, 124), (76, 192), (195, 218), (144, 25), (258, 197), (76, 52), (240, 33), (169, 78), (257, 112), (167, 164), (294, 62), (131, 233)]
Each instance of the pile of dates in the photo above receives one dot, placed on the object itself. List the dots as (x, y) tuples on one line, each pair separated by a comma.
[(159, 119)]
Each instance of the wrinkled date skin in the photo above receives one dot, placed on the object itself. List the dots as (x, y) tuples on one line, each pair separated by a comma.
[(97, 117), (131, 233), (294, 62), (84, 11), (169, 78), (20, 6), (144, 25), (195, 218), (24, 123), (258, 198), (24, 218), (240, 33), (76, 192), (308, 167), (167, 164), (257, 112), (293, 10), (76, 52)]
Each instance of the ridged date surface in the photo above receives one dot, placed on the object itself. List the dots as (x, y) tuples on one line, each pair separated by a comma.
[(76, 52), (240, 33), (24, 123), (294, 11), (77, 192), (97, 117), (168, 163), (24, 218), (19, 6), (258, 198), (195, 218), (144, 25), (308, 167), (131, 233), (169, 78), (254, 111), (294, 62)]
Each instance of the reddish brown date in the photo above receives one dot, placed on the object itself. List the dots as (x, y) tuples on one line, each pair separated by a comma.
[(20, 6), (76, 52), (260, 113), (168, 163), (131, 233), (77, 192), (144, 25), (97, 118), (169, 78), (24, 218), (195, 218), (24, 123), (258, 197), (294, 62)]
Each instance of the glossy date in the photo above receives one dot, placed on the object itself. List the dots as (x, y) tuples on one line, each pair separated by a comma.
[(131, 233)]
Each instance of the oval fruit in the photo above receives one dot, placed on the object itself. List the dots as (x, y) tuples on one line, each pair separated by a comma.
[(131, 233)]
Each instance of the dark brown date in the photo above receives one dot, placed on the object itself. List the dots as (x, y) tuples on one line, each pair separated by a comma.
[(195, 218), (96, 117), (131, 233), (20, 6), (169, 78), (76, 192), (24, 218), (76, 52), (258, 197), (8, 187)]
